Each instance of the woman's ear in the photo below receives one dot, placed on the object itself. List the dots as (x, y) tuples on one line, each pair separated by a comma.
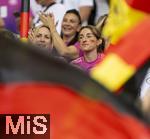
[(99, 41)]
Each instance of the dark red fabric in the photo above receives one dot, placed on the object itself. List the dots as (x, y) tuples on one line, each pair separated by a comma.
[(142, 5), (72, 116)]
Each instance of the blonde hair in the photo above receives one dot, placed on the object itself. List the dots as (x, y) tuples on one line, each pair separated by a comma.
[(101, 22), (36, 29)]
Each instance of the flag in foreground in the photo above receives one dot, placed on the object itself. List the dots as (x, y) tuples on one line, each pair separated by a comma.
[(34, 83)]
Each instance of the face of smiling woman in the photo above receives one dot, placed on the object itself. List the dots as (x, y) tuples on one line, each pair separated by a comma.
[(88, 41), (70, 24)]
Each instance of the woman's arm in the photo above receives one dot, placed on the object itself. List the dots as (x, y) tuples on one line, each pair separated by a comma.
[(63, 50)]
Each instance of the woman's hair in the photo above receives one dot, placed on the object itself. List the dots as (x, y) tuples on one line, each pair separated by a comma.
[(97, 34), (41, 26), (101, 22), (74, 40)]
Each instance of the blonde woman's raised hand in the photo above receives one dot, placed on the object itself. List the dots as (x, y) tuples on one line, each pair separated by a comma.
[(32, 35)]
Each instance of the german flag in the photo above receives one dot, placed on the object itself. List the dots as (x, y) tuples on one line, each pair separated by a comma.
[(32, 82), (140, 5), (127, 29), (25, 13)]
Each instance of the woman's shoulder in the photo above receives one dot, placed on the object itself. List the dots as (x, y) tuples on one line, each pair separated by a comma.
[(78, 60), (101, 55)]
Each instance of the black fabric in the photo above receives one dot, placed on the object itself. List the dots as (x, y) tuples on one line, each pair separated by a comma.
[(108, 1), (25, 6), (20, 63), (91, 19), (133, 86), (62, 1)]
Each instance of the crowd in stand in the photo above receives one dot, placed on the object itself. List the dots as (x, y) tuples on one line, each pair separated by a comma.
[(56, 25), (70, 30)]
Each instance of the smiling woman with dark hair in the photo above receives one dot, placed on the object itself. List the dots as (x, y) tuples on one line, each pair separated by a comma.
[(66, 46), (90, 41), (70, 27)]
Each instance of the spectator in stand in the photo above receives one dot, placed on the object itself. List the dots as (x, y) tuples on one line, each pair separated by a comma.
[(71, 25), (50, 6), (41, 37), (90, 43), (83, 6), (72, 51)]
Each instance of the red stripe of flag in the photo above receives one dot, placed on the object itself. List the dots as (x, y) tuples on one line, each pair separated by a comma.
[(25, 18), (142, 5), (81, 118), (134, 46), (24, 25)]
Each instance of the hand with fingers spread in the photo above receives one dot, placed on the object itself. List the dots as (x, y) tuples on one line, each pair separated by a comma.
[(48, 20), (32, 35)]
